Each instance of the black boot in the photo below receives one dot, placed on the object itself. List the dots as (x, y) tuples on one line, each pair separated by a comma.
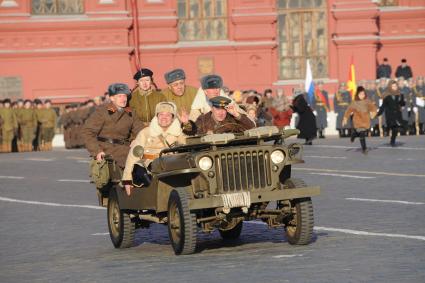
[(363, 144), (421, 129), (412, 130), (353, 136), (321, 136), (340, 133), (386, 131), (394, 132)]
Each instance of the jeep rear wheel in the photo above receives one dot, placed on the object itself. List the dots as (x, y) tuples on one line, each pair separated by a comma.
[(121, 228), (182, 227), (232, 234), (299, 227)]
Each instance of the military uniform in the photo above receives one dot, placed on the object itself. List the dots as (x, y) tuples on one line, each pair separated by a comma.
[(184, 101), (206, 124), (373, 96), (110, 129), (342, 100), (28, 125), (405, 110), (47, 120), (9, 127), (321, 107), (143, 103)]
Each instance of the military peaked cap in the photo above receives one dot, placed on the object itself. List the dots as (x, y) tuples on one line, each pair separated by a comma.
[(118, 88), (142, 73), (37, 101), (174, 75), (211, 81), (220, 101), (7, 100)]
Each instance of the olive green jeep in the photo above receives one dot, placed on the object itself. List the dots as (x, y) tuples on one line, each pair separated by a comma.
[(213, 182)]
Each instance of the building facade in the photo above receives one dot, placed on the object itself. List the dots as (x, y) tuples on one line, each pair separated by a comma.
[(71, 50)]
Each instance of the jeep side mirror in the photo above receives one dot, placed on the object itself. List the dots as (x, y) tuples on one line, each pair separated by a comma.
[(138, 151)]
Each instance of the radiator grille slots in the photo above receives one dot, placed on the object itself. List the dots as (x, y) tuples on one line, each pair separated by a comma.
[(243, 171)]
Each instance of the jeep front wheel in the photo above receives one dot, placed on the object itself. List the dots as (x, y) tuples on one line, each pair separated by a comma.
[(299, 227), (182, 227), (121, 228)]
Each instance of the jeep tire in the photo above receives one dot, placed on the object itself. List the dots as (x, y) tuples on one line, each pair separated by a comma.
[(182, 227), (121, 228), (299, 228)]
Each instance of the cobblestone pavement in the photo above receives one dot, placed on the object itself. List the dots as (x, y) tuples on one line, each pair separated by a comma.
[(369, 222)]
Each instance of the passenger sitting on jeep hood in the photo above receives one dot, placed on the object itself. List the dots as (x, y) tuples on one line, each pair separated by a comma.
[(164, 131), (223, 118)]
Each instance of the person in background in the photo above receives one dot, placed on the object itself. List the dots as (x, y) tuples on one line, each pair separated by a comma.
[(28, 125), (306, 119), (321, 107), (9, 125), (419, 91), (341, 101), (372, 95), (391, 106), (361, 109), (281, 110), (404, 70), (384, 70)]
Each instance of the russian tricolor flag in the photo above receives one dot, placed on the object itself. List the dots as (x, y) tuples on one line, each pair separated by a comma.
[(309, 84)]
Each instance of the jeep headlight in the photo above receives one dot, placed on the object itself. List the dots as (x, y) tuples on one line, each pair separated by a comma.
[(277, 156), (205, 163)]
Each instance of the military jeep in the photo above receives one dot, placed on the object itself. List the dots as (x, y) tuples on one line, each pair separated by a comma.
[(214, 182)]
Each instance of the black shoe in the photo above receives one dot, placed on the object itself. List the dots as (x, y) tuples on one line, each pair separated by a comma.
[(353, 136), (365, 151)]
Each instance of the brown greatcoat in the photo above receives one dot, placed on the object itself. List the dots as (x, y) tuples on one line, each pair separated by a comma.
[(361, 111), (184, 101), (109, 123), (205, 124)]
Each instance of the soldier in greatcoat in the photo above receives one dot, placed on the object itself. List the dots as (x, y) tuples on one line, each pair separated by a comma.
[(321, 107), (341, 101), (9, 126), (145, 97), (109, 130), (47, 119), (28, 125)]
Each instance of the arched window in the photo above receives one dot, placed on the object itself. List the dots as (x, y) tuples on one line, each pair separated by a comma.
[(202, 19), (302, 33), (57, 7)]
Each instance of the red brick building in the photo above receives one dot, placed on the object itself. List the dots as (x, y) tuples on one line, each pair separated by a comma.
[(70, 50)]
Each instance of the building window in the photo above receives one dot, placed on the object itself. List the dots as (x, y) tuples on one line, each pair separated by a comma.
[(202, 19), (57, 7), (387, 2), (302, 33)]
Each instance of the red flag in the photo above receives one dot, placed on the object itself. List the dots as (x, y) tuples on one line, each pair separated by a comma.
[(351, 83)]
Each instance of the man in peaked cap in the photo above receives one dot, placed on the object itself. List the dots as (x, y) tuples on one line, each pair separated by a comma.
[(28, 124), (178, 92), (46, 118), (145, 97), (111, 126), (341, 101), (223, 118)]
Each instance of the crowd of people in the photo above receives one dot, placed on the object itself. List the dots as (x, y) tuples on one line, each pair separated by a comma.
[(26, 125)]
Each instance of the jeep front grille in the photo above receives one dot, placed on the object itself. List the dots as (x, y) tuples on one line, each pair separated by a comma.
[(243, 171)]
